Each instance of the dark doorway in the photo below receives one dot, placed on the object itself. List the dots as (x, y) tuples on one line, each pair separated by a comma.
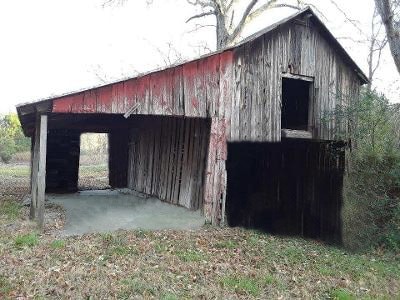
[(293, 187), (295, 103)]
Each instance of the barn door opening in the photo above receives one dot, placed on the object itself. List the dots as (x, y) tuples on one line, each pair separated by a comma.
[(291, 188), (93, 161)]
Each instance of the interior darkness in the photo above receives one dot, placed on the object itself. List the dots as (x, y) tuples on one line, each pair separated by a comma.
[(292, 188), (295, 103)]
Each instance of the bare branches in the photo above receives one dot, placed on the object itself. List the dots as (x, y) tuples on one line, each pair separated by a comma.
[(242, 22), (209, 13), (203, 3)]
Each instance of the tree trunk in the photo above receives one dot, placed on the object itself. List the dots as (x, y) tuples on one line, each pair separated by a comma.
[(386, 12), (222, 33)]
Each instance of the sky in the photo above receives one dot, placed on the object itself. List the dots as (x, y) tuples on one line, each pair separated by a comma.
[(51, 47)]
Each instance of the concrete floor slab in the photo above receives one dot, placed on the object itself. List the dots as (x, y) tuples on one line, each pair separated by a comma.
[(110, 210)]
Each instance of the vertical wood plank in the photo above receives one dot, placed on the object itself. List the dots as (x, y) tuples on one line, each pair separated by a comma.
[(42, 170)]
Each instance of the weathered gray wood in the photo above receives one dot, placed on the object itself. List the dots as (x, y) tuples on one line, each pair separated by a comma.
[(298, 77), (130, 111), (296, 134), (41, 189), (35, 168), (167, 159)]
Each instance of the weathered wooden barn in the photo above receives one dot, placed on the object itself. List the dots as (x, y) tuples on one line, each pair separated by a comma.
[(241, 134)]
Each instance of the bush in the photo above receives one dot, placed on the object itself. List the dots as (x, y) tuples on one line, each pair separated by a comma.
[(12, 139), (7, 148), (371, 211)]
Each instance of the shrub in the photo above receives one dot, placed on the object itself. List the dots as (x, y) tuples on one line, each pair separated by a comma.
[(371, 211)]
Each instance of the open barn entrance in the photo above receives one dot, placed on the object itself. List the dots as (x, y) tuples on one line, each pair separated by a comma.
[(293, 187), (143, 171), (93, 161)]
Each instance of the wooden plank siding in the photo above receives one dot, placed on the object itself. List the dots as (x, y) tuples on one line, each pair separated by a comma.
[(190, 90), (297, 49), (231, 96), (242, 86), (167, 159)]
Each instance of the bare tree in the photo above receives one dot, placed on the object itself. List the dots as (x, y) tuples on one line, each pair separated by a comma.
[(389, 10), (224, 11), (376, 46)]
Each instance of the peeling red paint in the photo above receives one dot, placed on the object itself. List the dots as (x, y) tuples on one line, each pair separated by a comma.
[(192, 89)]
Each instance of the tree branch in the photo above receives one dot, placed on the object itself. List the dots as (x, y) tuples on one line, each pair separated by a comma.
[(242, 22), (209, 13)]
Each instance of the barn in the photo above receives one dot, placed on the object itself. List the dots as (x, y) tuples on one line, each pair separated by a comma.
[(241, 134)]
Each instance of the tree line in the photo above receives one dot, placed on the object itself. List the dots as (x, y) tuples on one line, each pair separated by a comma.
[(12, 139)]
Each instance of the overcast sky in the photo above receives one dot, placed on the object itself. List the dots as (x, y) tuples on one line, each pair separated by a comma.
[(50, 47)]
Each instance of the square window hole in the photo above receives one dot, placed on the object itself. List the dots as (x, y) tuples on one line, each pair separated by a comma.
[(295, 104)]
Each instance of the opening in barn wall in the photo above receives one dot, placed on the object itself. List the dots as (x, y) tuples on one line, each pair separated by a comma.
[(295, 104), (292, 188), (93, 161)]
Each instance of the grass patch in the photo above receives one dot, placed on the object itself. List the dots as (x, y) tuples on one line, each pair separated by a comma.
[(169, 296), (5, 286), (121, 251), (26, 240), (191, 255), (116, 245), (341, 294), (242, 285), (15, 171), (10, 209), (228, 244), (269, 280), (160, 247), (133, 287), (57, 244)]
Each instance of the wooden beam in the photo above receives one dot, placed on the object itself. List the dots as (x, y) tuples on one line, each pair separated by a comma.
[(132, 110), (34, 172), (296, 134), (298, 77), (42, 170)]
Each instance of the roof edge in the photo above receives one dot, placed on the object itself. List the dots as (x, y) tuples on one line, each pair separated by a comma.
[(269, 29)]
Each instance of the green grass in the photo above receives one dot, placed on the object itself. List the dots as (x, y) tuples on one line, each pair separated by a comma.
[(10, 209), (208, 263), (26, 240), (116, 245), (190, 255), (86, 170), (14, 171), (341, 294), (5, 286), (169, 296), (242, 285), (57, 244), (134, 286), (228, 244)]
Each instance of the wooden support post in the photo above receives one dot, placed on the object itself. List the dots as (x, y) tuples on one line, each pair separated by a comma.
[(39, 171), (34, 172), (215, 183)]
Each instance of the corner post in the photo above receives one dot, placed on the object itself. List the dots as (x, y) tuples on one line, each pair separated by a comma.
[(39, 171), (215, 183)]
